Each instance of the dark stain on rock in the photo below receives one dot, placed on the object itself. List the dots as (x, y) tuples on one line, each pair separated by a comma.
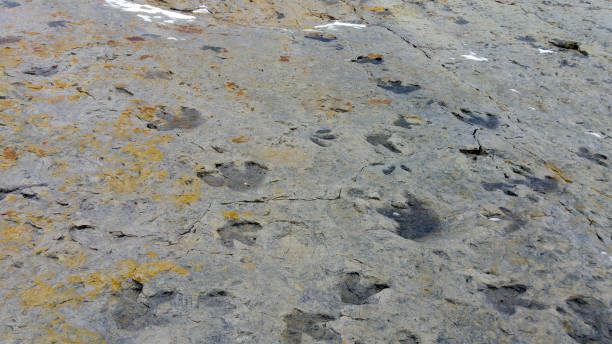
[(355, 290), (517, 222), (211, 178), (461, 21), (506, 188), (475, 152), (527, 39), (597, 158), (383, 140), (389, 170), (135, 39), (9, 39), (10, 4), (57, 23), (371, 58), (596, 324), (406, 337), (213, 48), (396, 86), (317, 36), (467, 116), (279, 15), (245, 232), (159, 74), (541, 185), (568, 45), (42, 71), (322, 136), (217, 301), (405, 168), (415, 222), (298, 323), (506, 298), (124, 90)]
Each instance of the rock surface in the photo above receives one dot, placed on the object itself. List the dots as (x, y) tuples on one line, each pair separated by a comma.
[(328, 171)]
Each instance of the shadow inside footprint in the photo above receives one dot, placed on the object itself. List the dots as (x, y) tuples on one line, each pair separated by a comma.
[(355, 290), (298, 323), (415, 222), (245, 232), (490, 122)]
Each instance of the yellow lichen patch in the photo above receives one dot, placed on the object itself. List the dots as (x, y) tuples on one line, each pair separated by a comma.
[(59, 168), (51, 100), (75, 97), (8, 158), (39, 120), (190, 190), (144, 153), (558, 172), (122, 181), (68, 334), (5, 104), (49, 297), (288, 157), (72, 259), (146, 271), (39, 151), (232, 215), (151, 254)]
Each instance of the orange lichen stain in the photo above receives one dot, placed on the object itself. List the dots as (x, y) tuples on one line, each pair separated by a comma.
[(249, 266), (377, 9), (239, 139), (232, 215), (51, 100), (188, 28), (6, 120), (284, 59), (39, 120), (144, 57), (190, 190), (39, 151), (151, 254), (374, 101), (230, 86), (60, 84), (5, 104), (558, 172), (75, 97), (413, 119), (8, 158), (34, 86)]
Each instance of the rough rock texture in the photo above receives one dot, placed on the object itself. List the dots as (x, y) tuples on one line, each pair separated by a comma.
[(419, 172)]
